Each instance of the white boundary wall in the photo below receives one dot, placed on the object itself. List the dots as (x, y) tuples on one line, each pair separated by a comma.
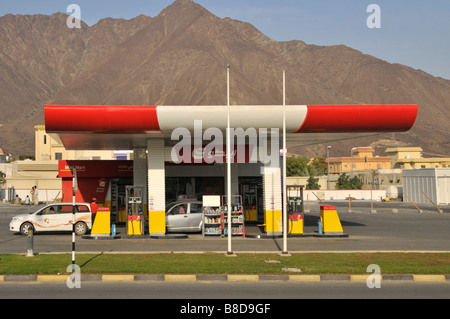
[(342, 194)]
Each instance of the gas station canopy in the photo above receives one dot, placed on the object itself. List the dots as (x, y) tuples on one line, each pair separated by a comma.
[(129, 127), (148, 130)]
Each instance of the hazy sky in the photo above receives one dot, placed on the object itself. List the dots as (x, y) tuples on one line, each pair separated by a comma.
[(413, 32)]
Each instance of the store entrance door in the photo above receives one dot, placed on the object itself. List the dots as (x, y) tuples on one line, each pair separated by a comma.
[(251, 190), (118, 202)]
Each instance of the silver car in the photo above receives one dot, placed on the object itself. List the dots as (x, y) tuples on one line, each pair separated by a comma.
[(184, 216)]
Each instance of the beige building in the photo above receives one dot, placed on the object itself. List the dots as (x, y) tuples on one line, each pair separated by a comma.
[(379, 178), (22, 175), (361, 159), (303, 180), (411, 158), (43, 174), (48, 147)]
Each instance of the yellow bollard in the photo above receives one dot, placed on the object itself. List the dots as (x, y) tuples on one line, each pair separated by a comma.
[(331, 225), (102, 222)]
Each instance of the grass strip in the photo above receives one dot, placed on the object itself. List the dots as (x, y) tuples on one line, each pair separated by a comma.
[(212, 263)]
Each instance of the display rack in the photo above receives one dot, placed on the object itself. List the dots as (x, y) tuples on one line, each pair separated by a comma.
[(212, 215), (212, 221), (215, 216), (237, 216)]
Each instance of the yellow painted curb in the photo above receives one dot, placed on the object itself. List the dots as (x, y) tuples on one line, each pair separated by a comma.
[(52, 278), (305, 278), (117, 278), (180, 277), (243, 277), (433, 278), (2, 278), (359, 277)]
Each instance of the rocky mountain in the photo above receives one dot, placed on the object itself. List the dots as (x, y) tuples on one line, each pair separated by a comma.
[(179, 58)]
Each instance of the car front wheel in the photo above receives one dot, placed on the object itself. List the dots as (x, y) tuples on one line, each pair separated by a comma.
[(80, 229), (25, 228)]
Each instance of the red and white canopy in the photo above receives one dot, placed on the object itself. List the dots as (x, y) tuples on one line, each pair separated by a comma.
[(128, 127)]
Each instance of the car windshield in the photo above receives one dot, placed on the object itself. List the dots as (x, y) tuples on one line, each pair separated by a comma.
[(169, 206), (40, 211), (36, 212), (62, 208), (196, 205)]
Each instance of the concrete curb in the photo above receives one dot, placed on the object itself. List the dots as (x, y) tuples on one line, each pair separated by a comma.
[(184, 278), (52, 278), (304, 278), (117, 278), (221, 277), (243, 277), (429, 278)]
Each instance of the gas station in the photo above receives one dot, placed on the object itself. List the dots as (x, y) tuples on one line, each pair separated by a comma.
[(174, 157)]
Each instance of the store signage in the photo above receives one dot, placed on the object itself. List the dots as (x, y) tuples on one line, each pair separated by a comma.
[(87, 168), (207, 146), (208, 155)]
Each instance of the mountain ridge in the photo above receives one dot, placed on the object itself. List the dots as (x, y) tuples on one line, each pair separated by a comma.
[(179, 56)]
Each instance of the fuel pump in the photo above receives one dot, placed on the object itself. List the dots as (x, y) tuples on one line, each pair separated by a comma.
[(295, 208), (295, 198), (135, 210)]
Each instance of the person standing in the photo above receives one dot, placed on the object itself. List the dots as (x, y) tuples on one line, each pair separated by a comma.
[(36, 195), (32, 195), (94, 208)]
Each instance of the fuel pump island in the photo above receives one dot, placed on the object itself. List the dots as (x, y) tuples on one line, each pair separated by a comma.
[(136, 219), (135, 208), (295, 210), (329, 224)]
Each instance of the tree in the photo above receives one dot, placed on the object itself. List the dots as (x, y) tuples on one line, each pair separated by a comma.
[(319, 164), (355, 183), (345, 182), (297, 166), (312, 183)]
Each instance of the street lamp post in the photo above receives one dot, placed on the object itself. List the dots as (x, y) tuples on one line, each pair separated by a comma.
[(285, 225), (229, 252), (328, 166)]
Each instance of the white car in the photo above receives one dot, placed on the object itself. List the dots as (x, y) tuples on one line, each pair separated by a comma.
[(184, 216), (54, 217)]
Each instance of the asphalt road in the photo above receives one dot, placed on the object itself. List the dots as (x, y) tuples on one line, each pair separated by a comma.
[(243, 291), (406, 230)]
